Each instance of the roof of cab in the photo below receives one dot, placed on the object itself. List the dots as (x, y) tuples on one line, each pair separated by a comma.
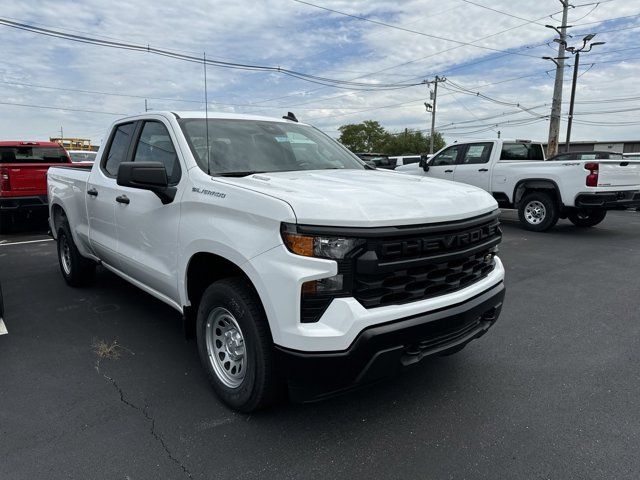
[(213, 115)]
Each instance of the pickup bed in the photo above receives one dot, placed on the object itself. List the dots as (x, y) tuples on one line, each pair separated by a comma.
[(291, 261), (23, 177), (518, 176)]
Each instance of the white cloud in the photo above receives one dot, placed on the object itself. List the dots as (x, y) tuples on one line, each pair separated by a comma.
[(289, 34)]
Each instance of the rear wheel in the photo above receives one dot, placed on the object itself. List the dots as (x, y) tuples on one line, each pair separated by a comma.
[(538, 211), (587, 217), (235, 346), (77, 270)]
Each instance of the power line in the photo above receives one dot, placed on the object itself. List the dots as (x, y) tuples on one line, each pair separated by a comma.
[(194, 59), (501, 12), (396, 27), (66, 109)]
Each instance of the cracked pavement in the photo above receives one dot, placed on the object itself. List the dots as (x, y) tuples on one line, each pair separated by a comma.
[(550, 392)]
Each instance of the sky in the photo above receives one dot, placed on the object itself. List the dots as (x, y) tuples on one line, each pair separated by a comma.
[(490, 53)]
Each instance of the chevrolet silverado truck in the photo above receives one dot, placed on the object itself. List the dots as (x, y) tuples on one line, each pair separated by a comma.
[(292, 262), (23, 177), (516, 174)]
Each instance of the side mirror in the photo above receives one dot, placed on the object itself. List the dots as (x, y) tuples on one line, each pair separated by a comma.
[(370, 164), (424, 163), (147, 176)]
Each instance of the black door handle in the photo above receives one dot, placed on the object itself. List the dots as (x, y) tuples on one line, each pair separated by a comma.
[(483, 170), (93, 192), (123, 199), (448, 171)]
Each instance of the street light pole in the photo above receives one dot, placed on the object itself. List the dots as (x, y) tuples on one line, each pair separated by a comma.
[(576, 52)]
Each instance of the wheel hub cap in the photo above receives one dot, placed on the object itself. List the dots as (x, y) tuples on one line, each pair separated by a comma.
[(535, 212), (65, 255), (225, 347)]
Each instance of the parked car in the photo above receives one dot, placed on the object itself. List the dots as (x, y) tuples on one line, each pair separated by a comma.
[(82, 156), (23, 177), (588, 155), (379, 160), (291, 261), (515, 172)]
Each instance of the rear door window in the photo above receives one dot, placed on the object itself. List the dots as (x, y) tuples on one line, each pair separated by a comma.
[(33, 154), (477, 153), (118, 149), (522, 151)]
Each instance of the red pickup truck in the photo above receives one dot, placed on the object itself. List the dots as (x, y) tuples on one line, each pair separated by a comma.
[(23, 177)]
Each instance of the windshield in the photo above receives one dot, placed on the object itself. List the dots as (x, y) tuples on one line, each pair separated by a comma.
[(82, 156), (242, 147)]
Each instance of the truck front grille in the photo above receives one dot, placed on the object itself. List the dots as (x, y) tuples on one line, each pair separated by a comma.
[(431, 280), (411, 268)]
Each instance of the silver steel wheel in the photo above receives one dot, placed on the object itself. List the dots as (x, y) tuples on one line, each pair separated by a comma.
[(65, 255), (225, 347), (535, 212)]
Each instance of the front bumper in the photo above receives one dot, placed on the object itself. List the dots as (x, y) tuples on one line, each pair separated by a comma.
[(382, 350), (16, 204), (609, 200)]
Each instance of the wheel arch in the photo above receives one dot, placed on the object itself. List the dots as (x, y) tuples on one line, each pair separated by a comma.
[(536, 184), (205, 267)]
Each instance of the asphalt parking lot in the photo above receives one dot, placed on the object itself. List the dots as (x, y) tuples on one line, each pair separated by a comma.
[(552, 391)]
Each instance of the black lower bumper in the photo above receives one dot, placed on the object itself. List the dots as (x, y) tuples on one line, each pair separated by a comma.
[(609, 200), (14, 204), (383, 350)]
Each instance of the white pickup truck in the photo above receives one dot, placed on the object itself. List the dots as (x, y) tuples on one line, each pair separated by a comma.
[(516, 173), (292, 262)]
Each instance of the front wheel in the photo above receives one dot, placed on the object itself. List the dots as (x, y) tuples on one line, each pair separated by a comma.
[(538, 211), (235, 346), (587, 217)]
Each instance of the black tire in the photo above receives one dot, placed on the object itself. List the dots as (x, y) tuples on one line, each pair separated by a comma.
[(587, 217), (77, 270), (259, 385), (538, 211)]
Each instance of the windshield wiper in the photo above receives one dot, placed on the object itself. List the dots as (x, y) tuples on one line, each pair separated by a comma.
[(238, 174)]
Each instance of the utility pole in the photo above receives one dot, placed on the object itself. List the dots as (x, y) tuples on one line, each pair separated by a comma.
[(434, 97), (61, 133), (145, 105), (576, 51), (556, 105)]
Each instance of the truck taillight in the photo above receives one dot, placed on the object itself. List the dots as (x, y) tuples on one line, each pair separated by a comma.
[(5, 185), (592, 178)]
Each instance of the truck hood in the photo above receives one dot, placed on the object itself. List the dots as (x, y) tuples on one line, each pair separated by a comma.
[(369, 197)]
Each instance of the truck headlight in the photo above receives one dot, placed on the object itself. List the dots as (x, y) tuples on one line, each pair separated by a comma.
[(334, 248), (316, 295)]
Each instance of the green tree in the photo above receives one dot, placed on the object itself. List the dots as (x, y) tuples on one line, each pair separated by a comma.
[(411, 142), (368, 136)]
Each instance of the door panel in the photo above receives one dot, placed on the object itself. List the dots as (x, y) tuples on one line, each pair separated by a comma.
[(101, 194), (473, 165), (147, 229), (443, 165)]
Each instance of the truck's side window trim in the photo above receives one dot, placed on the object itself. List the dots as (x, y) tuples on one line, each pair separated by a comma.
[(105, 167), (174, 173)]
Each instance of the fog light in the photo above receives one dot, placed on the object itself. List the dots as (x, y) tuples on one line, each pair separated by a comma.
[(324, 285)]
